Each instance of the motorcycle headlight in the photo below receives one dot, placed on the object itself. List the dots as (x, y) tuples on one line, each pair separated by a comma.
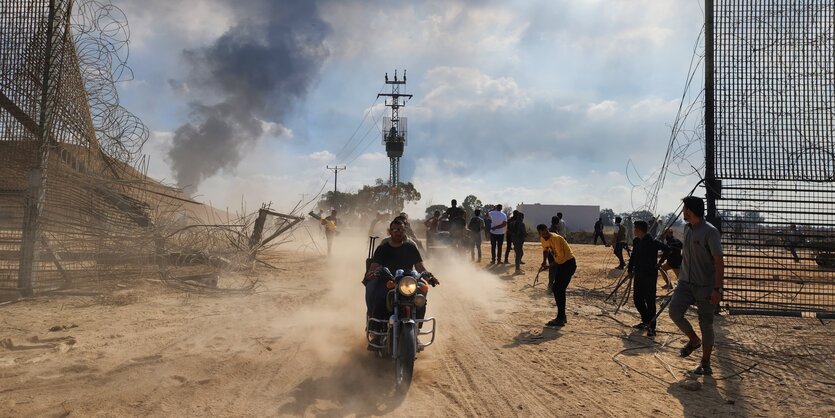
[(420, 300), (407, 286)]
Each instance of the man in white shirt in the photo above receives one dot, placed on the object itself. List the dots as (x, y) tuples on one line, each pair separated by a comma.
[(563, 230), (498, 228)]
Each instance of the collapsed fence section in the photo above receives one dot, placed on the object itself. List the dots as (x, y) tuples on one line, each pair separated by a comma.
[(771, 152), (76, 206)]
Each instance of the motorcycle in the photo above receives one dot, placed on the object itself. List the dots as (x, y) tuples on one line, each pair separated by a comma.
[(401, 339)]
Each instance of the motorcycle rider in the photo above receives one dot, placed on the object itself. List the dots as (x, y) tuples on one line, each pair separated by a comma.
[(394, 253)]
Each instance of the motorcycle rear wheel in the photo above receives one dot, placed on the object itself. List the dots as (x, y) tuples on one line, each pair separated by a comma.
[(404, 363)]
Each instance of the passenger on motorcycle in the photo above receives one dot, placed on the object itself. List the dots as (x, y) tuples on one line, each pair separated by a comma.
[(393, 253), (457, 220)]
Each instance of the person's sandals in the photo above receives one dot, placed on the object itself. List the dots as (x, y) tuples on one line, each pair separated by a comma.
[(703, 369), (650, 332), (639, 326), (687, 349)]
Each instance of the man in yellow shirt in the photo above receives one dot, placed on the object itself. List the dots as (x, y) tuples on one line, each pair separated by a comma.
[(559, 260), (330, 229)]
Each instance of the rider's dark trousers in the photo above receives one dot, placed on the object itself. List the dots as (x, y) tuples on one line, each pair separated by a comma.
[(375, 299)]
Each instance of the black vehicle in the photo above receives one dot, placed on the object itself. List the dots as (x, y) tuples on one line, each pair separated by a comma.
[(449, 236)]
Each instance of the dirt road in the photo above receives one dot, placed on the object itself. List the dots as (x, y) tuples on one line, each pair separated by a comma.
[(295, 348)]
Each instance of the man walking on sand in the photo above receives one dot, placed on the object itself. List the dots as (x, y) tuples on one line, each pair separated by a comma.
[(598, 231), (509, 235), (517, 232), (475, 226), (498, 227), (700, 283), (619, 242), (643, 267), (330, 224)]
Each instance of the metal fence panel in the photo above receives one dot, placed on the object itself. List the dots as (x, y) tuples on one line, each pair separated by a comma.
[(774, 153)]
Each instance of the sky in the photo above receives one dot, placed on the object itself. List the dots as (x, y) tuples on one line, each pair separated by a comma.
[(553, 102)]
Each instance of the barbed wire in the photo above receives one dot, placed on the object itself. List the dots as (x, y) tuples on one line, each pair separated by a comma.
[(101, 35)]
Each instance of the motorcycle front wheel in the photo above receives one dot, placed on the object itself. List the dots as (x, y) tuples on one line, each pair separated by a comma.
[(404, 363)]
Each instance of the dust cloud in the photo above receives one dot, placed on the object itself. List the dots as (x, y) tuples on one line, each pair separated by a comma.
[(333, 324)]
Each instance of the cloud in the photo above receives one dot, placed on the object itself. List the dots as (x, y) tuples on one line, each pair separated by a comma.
[(257, 69), (466, 30), (452, 89), (373, 156), (603, 109), (508, 95), (321, 156)]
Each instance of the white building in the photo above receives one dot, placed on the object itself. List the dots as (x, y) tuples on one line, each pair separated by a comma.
[(576, 217)]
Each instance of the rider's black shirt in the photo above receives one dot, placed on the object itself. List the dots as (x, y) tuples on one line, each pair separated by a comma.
[(403, 257)]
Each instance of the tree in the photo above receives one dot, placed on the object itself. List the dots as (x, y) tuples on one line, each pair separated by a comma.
[(607, 216), (382, 197), (505, 208), (440, 208), (344, 203), (640, 215), (370, 199), (671, 219), (470, 204)]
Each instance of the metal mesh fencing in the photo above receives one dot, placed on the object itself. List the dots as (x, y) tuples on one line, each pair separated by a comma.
[(76, 207), (70, 209), (774, 153)]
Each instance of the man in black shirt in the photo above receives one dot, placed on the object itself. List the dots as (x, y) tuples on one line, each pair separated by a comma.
[(475, 226), (517, 231), (457, 221), (642, 266), (598, 231), (394, 253)]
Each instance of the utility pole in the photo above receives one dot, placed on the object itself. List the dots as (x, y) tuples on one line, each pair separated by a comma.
[(59, 15), (394, 133), (713, 186), (336, 170)]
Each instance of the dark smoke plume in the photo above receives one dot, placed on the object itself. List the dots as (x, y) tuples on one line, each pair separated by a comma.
[(257, 69)]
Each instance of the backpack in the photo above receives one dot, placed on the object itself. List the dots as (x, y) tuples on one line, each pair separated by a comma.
[(474, 224)]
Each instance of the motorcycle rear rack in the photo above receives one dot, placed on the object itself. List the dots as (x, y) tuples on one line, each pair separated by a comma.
[(384, 334)]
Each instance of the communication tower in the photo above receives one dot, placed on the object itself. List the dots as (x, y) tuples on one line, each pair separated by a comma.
[(394, 128)]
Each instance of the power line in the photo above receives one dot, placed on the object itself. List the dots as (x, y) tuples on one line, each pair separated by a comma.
[(339, 155)]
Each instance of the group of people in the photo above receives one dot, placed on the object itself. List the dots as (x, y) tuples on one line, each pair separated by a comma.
[(699, 267), (697, 262), (494, 226)]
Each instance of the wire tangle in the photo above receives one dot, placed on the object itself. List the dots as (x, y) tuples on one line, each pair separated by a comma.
[(101, 34)]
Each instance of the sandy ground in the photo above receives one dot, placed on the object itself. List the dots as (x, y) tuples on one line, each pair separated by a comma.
[(296, 348)]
